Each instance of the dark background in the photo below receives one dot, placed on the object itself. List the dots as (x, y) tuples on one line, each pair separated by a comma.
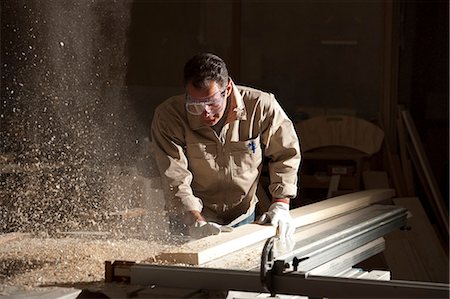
[(80, 79), (384, 54)]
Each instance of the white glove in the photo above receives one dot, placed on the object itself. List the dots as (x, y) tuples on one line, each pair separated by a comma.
[(203, 229), (278, 215)]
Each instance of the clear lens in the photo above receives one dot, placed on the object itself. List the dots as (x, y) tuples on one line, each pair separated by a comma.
[(211, 105), (194, 108)]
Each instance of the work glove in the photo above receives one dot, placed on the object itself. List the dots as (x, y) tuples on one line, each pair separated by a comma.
[(278, 216), (203, 229)]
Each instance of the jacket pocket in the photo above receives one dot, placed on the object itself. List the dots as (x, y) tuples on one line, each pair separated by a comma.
[(247, 157), (203, 165)]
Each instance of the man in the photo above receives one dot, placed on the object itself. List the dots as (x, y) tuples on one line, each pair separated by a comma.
[(210, 144)]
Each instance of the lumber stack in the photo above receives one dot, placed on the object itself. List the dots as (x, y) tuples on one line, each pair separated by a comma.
[(207, 249)]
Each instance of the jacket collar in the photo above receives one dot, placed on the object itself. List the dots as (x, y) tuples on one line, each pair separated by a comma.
[(236, 111)]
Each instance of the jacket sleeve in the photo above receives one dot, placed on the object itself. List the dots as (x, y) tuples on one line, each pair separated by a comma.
[(282, 147), (168, 146)]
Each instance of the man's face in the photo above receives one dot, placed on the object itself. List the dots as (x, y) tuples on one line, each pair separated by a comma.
[(209, 103)]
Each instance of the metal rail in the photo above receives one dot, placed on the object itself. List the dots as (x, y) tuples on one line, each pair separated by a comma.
[(156, 277)]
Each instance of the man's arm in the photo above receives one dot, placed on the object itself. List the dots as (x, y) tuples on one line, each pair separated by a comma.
[(169, 149), (168, 145), (283, 149)]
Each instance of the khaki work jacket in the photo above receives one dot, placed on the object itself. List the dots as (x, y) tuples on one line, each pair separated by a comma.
[(218, 174)]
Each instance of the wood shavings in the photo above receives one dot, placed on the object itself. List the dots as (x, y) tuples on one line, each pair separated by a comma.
[(36, 261)]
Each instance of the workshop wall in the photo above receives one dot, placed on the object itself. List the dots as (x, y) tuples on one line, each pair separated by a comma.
[(163, 35), (317, 54), (313, 54)]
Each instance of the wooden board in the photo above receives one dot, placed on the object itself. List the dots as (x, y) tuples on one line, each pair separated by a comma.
[(406, 162), (417, 253), (207, 249), (250, 257), (423, 166)]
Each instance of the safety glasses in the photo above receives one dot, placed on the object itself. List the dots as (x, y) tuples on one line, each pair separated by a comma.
[(212, 104)]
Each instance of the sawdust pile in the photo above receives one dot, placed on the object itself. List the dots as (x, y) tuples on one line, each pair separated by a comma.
[(47, 261)]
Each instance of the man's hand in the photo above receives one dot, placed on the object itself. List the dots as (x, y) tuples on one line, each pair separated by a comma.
[(203, 229), (278, 215), (191, 217), (200, 228)]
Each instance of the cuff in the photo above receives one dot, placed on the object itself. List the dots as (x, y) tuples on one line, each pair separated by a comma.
[(192, 204), (283, 190)]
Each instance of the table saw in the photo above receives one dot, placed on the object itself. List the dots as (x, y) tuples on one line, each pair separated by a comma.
[(333, 240), (321, 265)]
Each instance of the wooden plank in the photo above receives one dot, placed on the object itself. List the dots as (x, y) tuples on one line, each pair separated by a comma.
[(207, 249), (423, 181), (338, 205), (406, 162), (249, 257), (437, 199), (417, 253)]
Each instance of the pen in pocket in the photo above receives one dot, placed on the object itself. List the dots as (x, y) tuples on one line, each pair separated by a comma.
[(252, 146)]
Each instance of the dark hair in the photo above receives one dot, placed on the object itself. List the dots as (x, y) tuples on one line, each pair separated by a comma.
[(203, 68)]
